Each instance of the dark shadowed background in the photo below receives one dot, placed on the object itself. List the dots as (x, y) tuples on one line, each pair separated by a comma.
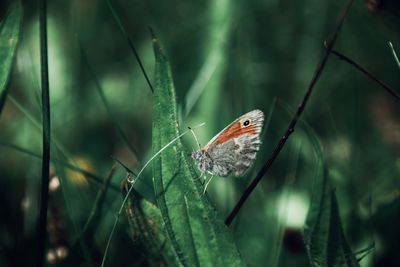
[(227, 58)]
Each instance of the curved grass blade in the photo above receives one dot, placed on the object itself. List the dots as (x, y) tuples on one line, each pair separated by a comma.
[(365, 251), (198, 236), (131, 45), (9, 35), (99, 200), (323, 235)]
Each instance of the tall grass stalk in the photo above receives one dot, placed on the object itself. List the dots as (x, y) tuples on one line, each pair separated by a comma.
[(42, 224)]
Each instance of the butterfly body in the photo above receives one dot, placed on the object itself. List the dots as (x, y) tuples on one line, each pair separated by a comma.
[(234, 149)]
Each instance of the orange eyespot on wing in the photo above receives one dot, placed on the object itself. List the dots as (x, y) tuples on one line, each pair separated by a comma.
[(234, 149), (235, 131)]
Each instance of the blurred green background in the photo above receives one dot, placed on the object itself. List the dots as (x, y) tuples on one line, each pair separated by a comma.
[(227, 58)]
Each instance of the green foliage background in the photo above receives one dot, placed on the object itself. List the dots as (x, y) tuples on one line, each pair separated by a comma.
[(226, 58)]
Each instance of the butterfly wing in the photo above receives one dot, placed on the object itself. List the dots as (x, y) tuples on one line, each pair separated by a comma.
[(234, 149)]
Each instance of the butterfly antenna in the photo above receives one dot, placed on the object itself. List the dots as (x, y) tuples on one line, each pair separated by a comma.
[(194, 135)]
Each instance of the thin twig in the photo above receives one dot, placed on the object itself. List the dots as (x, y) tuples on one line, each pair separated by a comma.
[(293, 122), (367, 73), (42, 223)]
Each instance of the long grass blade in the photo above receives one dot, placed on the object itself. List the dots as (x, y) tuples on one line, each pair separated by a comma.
[(97, 179), (42, 223), (394, 54), (130, 42), (324, 237), (99, 200)]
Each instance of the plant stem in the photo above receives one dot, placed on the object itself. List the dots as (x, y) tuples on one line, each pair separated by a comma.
[(367, 73)]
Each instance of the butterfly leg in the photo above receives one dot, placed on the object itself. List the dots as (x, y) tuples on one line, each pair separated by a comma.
[(205, 187), (202, 174)]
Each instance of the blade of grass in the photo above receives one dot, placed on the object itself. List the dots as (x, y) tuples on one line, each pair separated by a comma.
[(129, 171), (365, 251), (323, 233), (290, 129), (198, 236), (131, 45), (146, 229), (92, 176), (9, 36), (327, 245), (55, 142), (37, 124), (99, 200), (394, 54), (42, 222)]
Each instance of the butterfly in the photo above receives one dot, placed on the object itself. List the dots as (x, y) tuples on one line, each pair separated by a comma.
[(233, 150)]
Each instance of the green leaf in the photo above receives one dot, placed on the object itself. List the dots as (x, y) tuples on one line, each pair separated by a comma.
[(325, 241), (9, 35), (146, 231), (198, 236)]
